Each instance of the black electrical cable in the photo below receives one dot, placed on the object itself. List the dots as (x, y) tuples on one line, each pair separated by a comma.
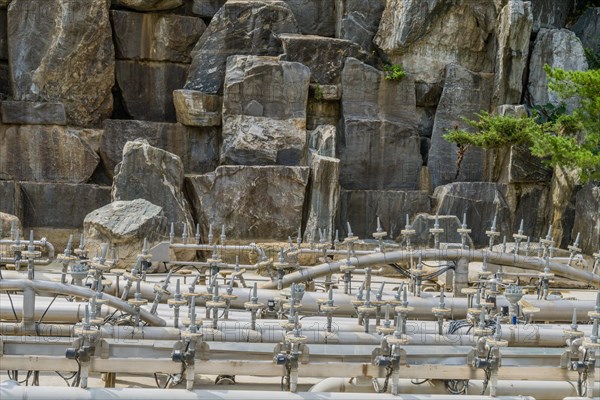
[(12, 306), (37, 324)]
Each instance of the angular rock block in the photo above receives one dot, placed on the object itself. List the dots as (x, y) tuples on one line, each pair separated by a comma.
[(379, 144), (60, 205), (322, 112), (362, 207), (147, 88), (207, 8), (155, 175), (8, 221), (551, 13), (426, 37), (125, 225), (71, 59), (34, 113), (3, 35), (587, 29), (315, 17), (155, 37), (11, 198), (240, 27), (313, 50), (45, 153), (264, 111), (358, 20), (198, 148), (195, 108), (324, 197), (322, 140), (150, 5), (587, 218), (243, 199), (465, 94), (559, 48)]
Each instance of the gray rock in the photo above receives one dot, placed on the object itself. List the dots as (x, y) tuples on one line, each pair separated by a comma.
[(264, 111), (557, 48), (125, 225), (587, 29), (427, 36), (45, 153), (198, 148), (5, 89), (3, 35), (551, 13), (528, 202), (155, 175), (481, 201), (357, 20), (362, 207), (150, 5), (26, 112), (243, 199), (196, 108), (11, 198), (324, 56), (422, 223), (8, 221), (379, 142), (240, 27), (147, 88), (324, 197), (60, 205), (207, 8), (514, 32), (587, 218), (322, 112), (428, 94), (71, 59), (322, 140), (465, 93), (156, 37), (325, 92), (315, 17)]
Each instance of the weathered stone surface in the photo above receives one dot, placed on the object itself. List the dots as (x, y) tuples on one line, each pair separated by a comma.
[(379, 143), (465, 93), (155, 175), (324, 56), (151, 5), (362, 207), (357, 20), (240, 27), (10, 198), (481, 201), (27, 112), (45, 153), (71, 59), (324, 196), (264, 111), (125, 225), (527, 202), (156, 37), (7, 221), (5, 90), (207, 8), (557, 48), (147, 88), (514, 31), (325, 92), (198, 148), (427, 36), (195, 108), (322, 139), (315, 17), (422, 223), (587, 218), (551, 13), (3, 35), (243, 199), (60, 205), (322, 112), (587, 29)]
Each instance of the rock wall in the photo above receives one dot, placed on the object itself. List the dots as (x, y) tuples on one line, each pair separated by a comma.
[(273, 115)]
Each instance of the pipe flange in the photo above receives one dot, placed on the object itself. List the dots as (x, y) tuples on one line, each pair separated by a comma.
[(546, 275), (517, 236), (238, 273), (159, 289), (132, 277), (382, 330), (64, 258), (101, 267), (81, 331), (145, 257), (357, 303), (185, 271), (329, 309), (393, 340), (486, 304), (367, 310), (292, 338), (205, 295), (322, 301), (101, 301), (253, 306), (215, 304), (96, 321), (350, 239), (135, 302), (347, 268), (289, 325), (214, 260), (482, 331), (191, 335), (379, 302), (379, 235), (463, 231), (174, 302), (497, 343), (492, 233), (229, 296), (417, 271), (187, 321), (588, 344), (474, 311), (118, 271), (440, 311), (572, 333), (594, 314), (468, 291), (17, 247), (31, 254), (530, 310), (404, 310), (436, 230), (106, 282), (484, 273), (287, 306), (80, 252)]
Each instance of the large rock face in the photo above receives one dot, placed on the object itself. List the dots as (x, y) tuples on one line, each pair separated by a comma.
[(31, 112), (362, 207), (358, 20), (207, 8), (243, 199), (125, 225), (515, 21), (45, 153), (62, 50), (240, 27), (195, 108), (551, 13), (465, 93), (379, 143), (315, 17), (264, 111), (150, 5), (587, 218), (587, 29), (558, 48), (155, 175), (198, 148), (11, 199), (426, 36), (157, 37)]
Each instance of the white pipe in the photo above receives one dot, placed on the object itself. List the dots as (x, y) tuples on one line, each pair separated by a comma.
[(11, 390)]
